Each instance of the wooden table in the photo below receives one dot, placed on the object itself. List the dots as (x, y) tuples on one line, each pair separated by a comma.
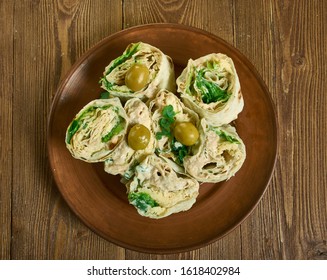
[(286, 42)]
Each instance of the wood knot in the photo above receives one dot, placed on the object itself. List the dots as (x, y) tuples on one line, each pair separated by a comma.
[(318, 251), (298, 60), (80, 235)]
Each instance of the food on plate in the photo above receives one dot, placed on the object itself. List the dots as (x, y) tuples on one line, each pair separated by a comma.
[(162, 145), (137, 77), (186, 133), (96, 130), (141, 71), (157, 191), (219, 154), (139, 137), (210, 86), (138, 142), (168, 112)]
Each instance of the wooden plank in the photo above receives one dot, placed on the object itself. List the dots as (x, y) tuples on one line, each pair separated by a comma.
[(300, 48), (285, 42), (254, 37), (49, 37), (206, 15), (6, 125)]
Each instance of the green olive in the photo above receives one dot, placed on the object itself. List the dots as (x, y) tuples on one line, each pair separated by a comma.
[(137, 77), (186, 133), (138, 137)]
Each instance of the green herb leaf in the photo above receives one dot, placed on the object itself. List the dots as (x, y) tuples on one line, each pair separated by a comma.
[(104, 95), (106, 84), (76, 123), (131, 171), (210, 91), (119, 126), (189, 84), (166, 121), (227, 137), (132, 49), (179, 150), (142, 200), (210, 64), (72, 130), (168, 112)]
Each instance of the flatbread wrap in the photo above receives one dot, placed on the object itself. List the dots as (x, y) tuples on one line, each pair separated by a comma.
[(167, 111), (96, 130), (218, 155), (210, 86), (141, 71), (124, 158), (157, 191)]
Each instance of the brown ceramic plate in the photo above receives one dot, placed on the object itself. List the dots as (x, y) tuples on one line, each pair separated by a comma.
[(100, 200)]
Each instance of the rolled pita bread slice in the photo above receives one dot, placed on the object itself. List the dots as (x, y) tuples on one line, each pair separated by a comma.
[(167, 110), (124, 158), (141, 71), (97, 130), (219, 154), (210, 86), (157, 191)]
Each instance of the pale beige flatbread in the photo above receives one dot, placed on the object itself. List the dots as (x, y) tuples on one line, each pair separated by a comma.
[(97, 130), (157, 191), (123, 159), (164, 144), (219, 154), (161, 67), (196, 85)]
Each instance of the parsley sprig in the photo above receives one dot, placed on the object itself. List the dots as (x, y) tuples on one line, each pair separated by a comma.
[(177, 148), (166, 121)]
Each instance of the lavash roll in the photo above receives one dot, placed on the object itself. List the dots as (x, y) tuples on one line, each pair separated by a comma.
[(160, 66), (218, 155), (167, 146), (210, 86), (157, 191), (123, 159), (96, 130)]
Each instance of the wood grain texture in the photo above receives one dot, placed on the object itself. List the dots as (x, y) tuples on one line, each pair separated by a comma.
[(49, 37), (300, 80), (6, 128), (206, 15), (286, 42), (254, 37), (296, 200)]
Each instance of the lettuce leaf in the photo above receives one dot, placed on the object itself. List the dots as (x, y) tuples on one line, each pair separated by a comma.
[(142, 200), (132, 49), (210, 91), (76, 123), (225, 136), (119, 126)]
